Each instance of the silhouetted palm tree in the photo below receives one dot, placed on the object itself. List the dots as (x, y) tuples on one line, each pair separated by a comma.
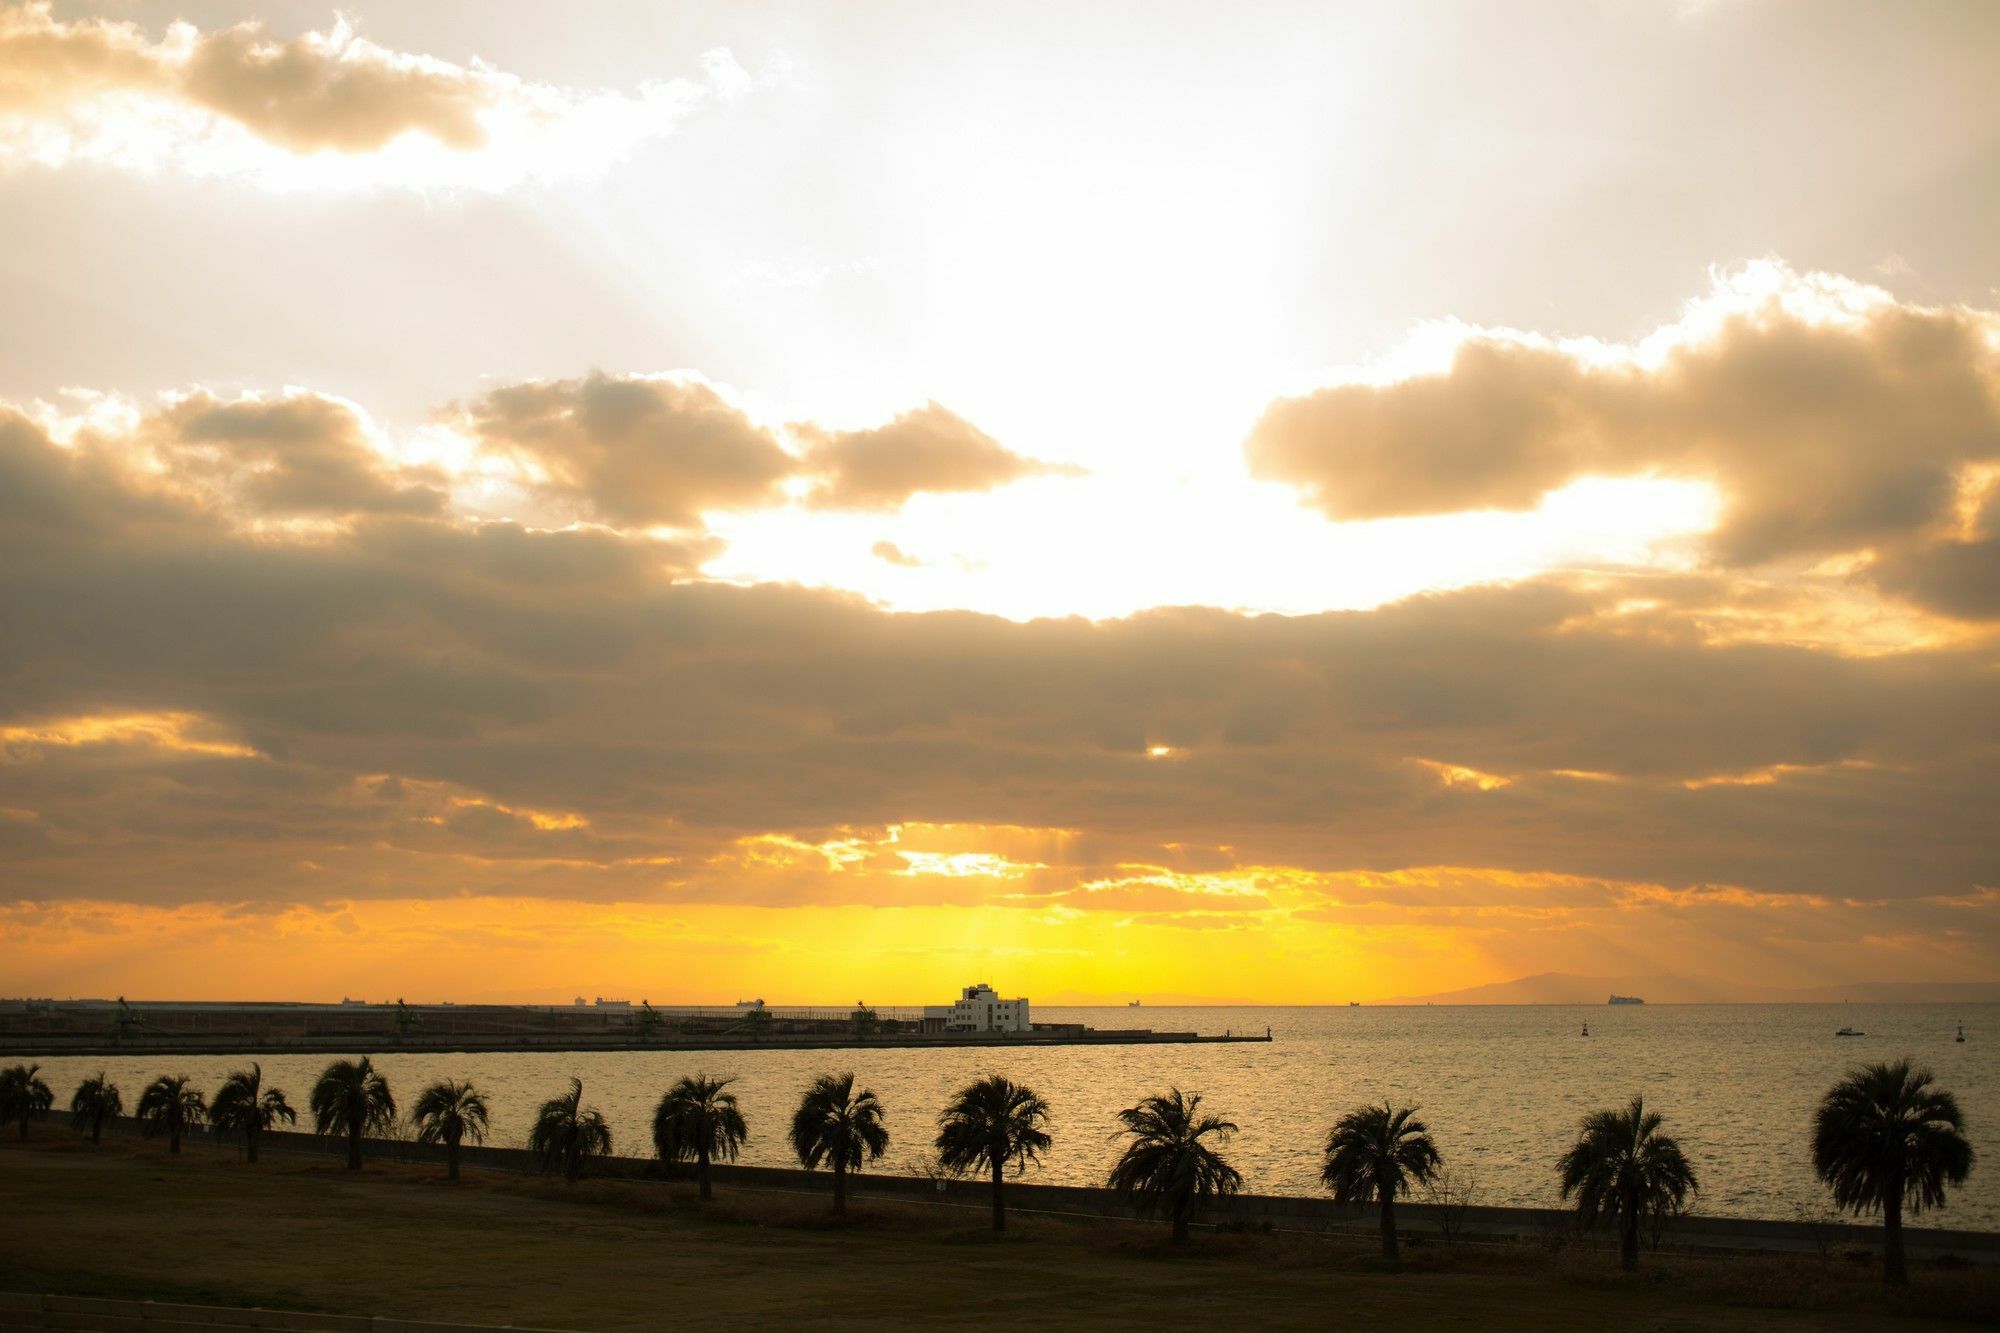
[(990, 1123), (1375, 1152), (839, 1126), (449, 1113), (95, 1101), (698, 1121), (351, 1098), (23, 1096), (1885, 1137), (168, 1106), (567, 1133), (243, 1105), (1167, 1166), (1622, 1166)]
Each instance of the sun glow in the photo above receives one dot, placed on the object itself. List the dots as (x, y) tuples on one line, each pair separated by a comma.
[(180, 733)]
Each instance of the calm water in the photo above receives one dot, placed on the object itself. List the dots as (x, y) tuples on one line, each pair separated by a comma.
[(1500, 1087)]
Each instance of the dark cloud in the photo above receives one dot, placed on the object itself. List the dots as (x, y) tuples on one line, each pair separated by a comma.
[(635, 451), (1950, 577), (927, 449), (297, 455), (1823, 434), (413, 705)]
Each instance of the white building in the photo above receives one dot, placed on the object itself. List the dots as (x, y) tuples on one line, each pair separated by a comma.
[(980, 1009)]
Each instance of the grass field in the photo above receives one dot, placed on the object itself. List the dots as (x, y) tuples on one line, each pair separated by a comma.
[(128, 1220)]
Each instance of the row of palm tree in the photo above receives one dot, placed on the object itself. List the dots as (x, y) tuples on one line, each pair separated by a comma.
[(1886, 1138)]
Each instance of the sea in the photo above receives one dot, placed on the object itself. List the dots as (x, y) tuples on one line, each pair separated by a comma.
[(1501, 1087)]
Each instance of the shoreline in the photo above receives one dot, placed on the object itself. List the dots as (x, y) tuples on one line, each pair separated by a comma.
[(1700, 1234), (129, 1222)]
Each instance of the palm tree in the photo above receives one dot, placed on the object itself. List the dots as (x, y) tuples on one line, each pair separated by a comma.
[(1622, 1166), (23, 1095), (449, 1113), (96, 1100), (351, 1098), (1166, 1163), (1885, 1137), (836, 1124), (990, 1123), (698, 1120), (243, 1105), (169, 1105), (567, 1133), (1375, 1152)]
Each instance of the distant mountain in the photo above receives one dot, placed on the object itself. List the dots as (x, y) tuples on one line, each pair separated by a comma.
[(1666, 988)]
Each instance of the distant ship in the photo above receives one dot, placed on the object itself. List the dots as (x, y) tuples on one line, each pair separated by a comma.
[(1133, 1004), (1850, 1032), (1624, 999)]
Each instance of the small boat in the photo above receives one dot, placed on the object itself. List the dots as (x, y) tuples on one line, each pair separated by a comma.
[(1354, 1004), (1961, 1032), (1850, 1032), (1586, 1029), (1131, 1004)]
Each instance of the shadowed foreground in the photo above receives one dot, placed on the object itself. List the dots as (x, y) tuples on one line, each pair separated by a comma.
[(128, 1220)]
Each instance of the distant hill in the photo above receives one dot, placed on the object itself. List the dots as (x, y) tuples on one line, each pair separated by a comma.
[(1666, 988)]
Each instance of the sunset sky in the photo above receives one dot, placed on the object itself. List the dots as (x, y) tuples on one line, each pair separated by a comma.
[(1291, 503)]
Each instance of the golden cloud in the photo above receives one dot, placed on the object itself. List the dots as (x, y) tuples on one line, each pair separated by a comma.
[(1831, 417), (328, 107)]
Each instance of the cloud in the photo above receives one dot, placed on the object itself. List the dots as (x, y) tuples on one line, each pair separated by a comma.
[(634, 450), (1831, 417), (1951, 573), (645, 450), (326, 108), (926, 449), (429, 704), (895, 555), (299, 454)]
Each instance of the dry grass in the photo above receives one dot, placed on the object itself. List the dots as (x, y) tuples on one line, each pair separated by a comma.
[(129, 1220)]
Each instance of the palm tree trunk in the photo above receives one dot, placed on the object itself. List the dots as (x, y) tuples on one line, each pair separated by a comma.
[(839, 1188), (96, 1130), (1389, 1250), (24, 1126), (1180, 1221), (354, 1145), (1628, 1240), (999, 1200), (451, 1160), (174, 1138), (701, 1170), (1893, 1271)]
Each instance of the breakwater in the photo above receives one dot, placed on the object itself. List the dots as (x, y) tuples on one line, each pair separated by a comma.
[(95, 1028)]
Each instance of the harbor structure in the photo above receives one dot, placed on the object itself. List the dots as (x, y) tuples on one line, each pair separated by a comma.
[(979, 1008)]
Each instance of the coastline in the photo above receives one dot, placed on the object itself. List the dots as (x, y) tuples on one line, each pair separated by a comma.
[(1694, 1233)]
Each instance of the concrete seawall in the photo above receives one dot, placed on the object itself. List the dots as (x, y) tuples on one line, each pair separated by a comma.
[(1279, 1212), (15, 1046)]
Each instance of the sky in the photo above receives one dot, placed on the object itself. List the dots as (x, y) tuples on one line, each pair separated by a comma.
[(1286, 503)]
